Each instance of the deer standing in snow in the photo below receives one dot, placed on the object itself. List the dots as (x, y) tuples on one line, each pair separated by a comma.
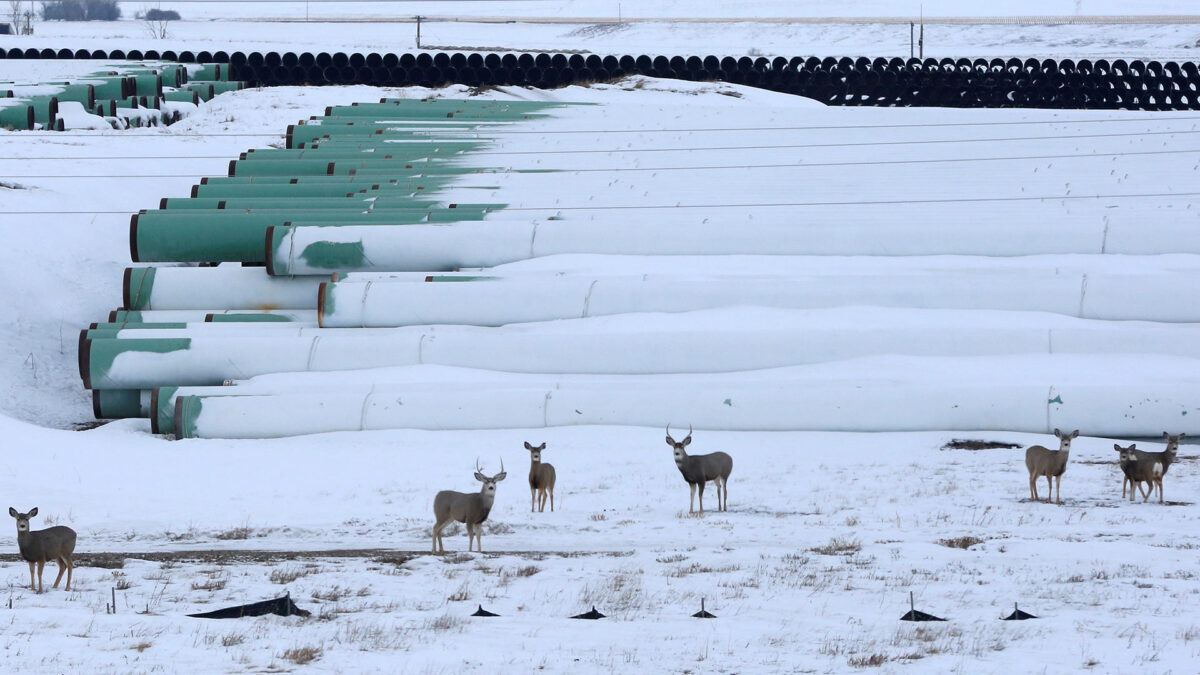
[(470, 508), (699, 469), (1140, 467), (53, 543), (1042, 461), (541, 479)]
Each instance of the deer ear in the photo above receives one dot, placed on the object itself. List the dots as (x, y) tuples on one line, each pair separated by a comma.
[(687, 441), (1117, 447), (528, 446), (542, 446), (12, 512), (480, 477), (1166, 435), (1075, 434), (33, 512), (500, 476), (670, 441)]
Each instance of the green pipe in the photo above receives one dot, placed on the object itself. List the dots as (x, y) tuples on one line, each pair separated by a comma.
[(225, 191), (248, 318), (224, 87), (96, 357), (162, 418), (45, 109), (211, 72), (205, 236), (354, 204), (423, 148), (136, 318), (363, 187), (120, 403), (20, 117), (401, 165), (293, 180), (203, 89), (182, 95), (110, 87), (147, 84)]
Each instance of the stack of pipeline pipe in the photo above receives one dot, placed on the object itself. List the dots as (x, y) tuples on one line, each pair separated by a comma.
[(122, 94), (946, 82), (347, 296)]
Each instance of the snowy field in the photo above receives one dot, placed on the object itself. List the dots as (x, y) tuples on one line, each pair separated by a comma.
[(809, 570), (1167, 29)]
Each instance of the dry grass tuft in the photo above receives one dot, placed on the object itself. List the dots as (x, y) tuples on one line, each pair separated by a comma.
[(302, 655), (838, 546), (234, 534), (286, 575), (964, 542)]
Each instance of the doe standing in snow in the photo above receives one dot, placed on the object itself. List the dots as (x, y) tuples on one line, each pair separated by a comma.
[(470, 508), (1147, 467), (699, 469), (53, 543), (1043, 461), (541, 479)]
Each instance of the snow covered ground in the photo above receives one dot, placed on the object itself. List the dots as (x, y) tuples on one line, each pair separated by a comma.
[(809, 570), (756, 27)]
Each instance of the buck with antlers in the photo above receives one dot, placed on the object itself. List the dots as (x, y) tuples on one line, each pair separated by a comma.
[(699, 469), (469, 508)]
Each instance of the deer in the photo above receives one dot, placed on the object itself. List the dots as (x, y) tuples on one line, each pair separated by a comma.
[(1042, 461), (470, 508), (1140, 466), (699, 469), (541, 479), (37, 548), (1128, 462)]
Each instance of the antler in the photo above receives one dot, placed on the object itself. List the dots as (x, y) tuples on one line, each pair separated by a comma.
[(668, 430), (501, 465), (689, 430)]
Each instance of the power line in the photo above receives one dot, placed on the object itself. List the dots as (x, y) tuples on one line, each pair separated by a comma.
[(632, 207)]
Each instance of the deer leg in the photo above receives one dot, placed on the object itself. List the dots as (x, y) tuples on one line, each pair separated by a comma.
[(700, 486), (1058, 490), (532, 499), (62, 568), (70, 571), (551, 500), (437, 538), (32, 581), (479, 537), (1050, 487), (1033, 488), (41, 568), (692, 498)]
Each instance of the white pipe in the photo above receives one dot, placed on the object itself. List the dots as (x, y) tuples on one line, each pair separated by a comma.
[(1129, 230), (1021, 393), (544, 298), (709, 341)]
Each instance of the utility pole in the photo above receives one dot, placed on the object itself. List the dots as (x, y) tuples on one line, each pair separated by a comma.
[(921, 40), (418, 31), (911, 26)]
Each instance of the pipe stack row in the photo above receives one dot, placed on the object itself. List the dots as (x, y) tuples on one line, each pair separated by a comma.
[(947, 82), (331, 175), (121, 95), (335, 285)]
